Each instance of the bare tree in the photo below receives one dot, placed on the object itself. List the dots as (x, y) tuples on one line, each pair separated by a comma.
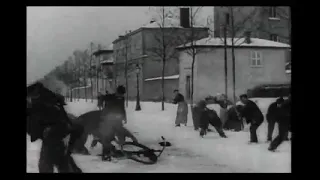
[(247, 21), (76, 54), (91, 71), (127, 46), (166, 41), (98, 68), (85, 67), (192, 50)]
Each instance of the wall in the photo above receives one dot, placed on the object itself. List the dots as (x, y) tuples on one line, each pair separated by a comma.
[(153, 64), (141, 42), (102, 86), (185, 61), (177, 36), (134, 50), (210, 74), (154, 91)]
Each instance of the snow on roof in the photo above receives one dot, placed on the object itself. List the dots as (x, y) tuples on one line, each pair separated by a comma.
[(255, 42), (110, 60), (169, 23), (110, 47), (166, 77), (81, 87)]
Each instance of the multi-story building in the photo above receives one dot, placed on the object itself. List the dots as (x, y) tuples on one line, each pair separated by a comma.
[(144, 47), (271, 23)]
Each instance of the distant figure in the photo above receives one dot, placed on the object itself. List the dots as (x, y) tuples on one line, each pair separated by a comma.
[(182, 111), (100, 101), (253, 115)]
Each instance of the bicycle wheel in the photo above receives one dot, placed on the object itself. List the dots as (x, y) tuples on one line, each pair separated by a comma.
[(139, 153)]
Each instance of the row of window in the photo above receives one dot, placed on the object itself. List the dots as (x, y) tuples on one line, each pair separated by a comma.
[(122, 50), (272, 14)]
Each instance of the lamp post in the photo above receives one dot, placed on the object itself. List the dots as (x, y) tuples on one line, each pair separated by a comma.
[(138, 107)]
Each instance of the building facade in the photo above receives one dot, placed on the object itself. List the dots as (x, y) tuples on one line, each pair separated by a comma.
[(144, 47), (260, 62), (272, 23)]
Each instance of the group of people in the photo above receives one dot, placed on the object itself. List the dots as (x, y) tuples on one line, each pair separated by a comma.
[(278, 112), (202, 116)]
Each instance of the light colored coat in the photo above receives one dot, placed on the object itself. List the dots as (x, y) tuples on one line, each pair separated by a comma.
[(182, 113)]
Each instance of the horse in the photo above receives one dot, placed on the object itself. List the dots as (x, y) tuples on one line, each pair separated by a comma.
[(47, 120)]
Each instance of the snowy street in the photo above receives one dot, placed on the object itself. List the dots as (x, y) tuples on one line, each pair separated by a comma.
[(188, 153)]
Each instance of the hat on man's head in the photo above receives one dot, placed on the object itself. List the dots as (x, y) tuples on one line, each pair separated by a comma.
[(280, 100)]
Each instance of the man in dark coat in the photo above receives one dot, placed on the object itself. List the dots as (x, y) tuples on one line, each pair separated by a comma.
[(273, 116), (112, 117), (48, 121), (253, 115), (208, 116), (233, 122), (284, 123), (196, 112)]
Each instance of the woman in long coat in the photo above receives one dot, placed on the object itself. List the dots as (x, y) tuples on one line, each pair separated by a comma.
[(182, 111)]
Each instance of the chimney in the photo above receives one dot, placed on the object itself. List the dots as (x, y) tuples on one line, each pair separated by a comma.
[(247, 37), (184, 17)]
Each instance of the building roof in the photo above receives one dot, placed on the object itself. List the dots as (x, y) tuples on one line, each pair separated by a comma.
[(166, 77), (239, 42), (169, 23), (109, 49)]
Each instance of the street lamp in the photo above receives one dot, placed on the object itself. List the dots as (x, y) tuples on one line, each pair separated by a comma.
[(138, 107)]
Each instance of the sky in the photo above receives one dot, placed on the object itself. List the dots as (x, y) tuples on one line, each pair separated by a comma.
[(53, 33)]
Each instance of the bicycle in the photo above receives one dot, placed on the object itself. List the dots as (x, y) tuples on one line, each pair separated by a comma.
[(144, 154)]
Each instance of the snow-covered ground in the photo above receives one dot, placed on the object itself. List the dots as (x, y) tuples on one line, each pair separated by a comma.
[(188, 153)]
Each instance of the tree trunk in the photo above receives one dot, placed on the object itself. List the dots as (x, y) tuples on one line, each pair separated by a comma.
[(233, 57), (127, 95), (192, 79), (97, 79), (85, 84), (91, 82), (225, 61), (126, 76), (70, 94), (162, 83)]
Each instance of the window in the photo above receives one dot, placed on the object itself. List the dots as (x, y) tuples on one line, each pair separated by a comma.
[(256, 59), (274, 37), (273, 12)]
